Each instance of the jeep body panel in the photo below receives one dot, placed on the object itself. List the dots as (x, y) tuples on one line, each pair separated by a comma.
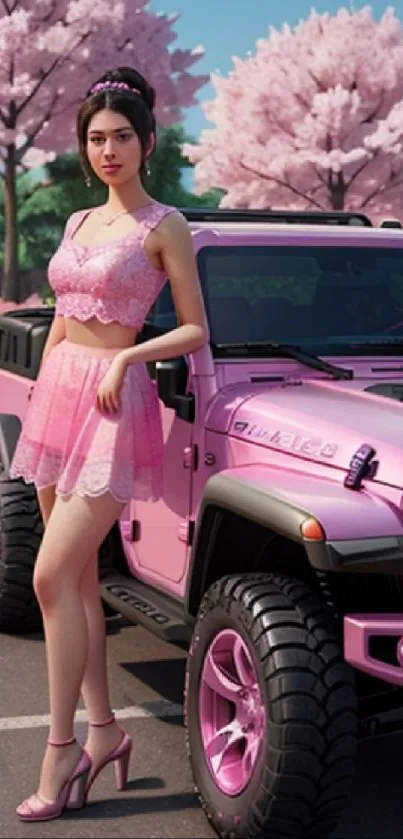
[(317, 420), (15, 392), (283, 498)]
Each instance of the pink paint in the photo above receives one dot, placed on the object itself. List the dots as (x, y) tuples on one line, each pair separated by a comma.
[(231, 711), (299, 438), (358, 630)]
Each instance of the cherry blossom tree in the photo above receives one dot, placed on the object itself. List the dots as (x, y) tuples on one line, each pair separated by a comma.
[(50, 52), (313, 119)]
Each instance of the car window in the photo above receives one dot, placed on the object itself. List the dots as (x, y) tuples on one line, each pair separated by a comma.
[(319, 296)]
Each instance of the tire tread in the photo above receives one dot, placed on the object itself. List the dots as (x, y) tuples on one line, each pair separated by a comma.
[(295, 639), (20, 537)]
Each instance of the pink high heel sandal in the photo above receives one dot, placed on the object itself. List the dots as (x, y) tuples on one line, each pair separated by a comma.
[(120, 756), (71, 796)]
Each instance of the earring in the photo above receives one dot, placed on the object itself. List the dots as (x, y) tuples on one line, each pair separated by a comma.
[(148, 170), (87, 180)]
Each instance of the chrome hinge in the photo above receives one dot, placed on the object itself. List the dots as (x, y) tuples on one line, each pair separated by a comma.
[(131, 531), (191, 457), (186, 531)]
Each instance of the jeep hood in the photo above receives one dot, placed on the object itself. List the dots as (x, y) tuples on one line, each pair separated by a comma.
[(320, 421)]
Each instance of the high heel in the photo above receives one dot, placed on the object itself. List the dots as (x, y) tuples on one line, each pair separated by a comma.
[(122, 763), (120, 757), (71, 796)]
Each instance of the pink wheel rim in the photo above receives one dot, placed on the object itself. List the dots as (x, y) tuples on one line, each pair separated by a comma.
[(232, 713)]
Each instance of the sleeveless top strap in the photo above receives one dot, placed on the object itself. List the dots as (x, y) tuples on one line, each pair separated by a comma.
[(148, 219), (152, 216), (74, 222)]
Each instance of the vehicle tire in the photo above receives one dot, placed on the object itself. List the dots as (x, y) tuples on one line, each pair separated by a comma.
[(270, 710), (20, 536)]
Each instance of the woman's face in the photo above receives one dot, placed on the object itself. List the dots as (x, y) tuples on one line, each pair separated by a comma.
[(113, 148)]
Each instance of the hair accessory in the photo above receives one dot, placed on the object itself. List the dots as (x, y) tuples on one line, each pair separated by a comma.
[(100, 87)]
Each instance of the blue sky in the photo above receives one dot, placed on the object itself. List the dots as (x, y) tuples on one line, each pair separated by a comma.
[(231, 27)]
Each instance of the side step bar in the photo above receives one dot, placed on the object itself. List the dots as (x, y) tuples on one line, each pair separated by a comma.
[(142, 604), (358, 631)]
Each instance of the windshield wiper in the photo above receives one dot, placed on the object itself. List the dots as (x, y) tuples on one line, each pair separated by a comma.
[(271, 348)]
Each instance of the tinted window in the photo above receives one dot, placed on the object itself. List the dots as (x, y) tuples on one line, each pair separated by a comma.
[(323, 297), (163, 312)]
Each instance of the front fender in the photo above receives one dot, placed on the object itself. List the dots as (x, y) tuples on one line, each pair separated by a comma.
[(361, 532)]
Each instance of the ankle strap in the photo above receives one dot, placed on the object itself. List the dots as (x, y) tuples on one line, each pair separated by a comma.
[(59, 744), (110, 720)]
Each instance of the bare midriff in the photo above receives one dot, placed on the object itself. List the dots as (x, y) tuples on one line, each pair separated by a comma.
[(93, 333)]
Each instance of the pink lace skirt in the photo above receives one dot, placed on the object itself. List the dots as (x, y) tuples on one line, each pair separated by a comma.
[(65, 441)]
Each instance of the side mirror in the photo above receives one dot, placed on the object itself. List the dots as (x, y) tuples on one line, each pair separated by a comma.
[(172, 377)]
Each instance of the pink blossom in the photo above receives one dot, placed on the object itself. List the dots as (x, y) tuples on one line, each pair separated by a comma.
[(314, 118), (31, 302), (56, 48)]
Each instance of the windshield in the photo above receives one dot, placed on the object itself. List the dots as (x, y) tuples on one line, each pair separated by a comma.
[(327, 300)]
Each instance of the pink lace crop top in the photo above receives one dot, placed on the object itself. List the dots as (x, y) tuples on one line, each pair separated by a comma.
[(114, 281)]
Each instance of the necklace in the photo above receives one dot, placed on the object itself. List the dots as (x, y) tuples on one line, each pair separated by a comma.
[(108, 221)]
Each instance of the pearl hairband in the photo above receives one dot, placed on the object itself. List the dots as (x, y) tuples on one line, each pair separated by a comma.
[(101, 86)]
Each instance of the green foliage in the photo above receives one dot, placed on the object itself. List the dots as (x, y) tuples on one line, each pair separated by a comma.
[(164, 183)]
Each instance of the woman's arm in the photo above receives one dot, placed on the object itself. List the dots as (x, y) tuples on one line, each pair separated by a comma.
[(177, 256), (56, 334)]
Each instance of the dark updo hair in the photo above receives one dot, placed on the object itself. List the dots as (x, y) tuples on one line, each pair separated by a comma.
[(137, 105)]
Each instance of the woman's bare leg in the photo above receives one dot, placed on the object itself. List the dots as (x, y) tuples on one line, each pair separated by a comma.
[(46, 498), (94, 688), (76, 528)]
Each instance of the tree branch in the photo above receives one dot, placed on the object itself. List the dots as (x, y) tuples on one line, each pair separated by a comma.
[(46, 73), (361, 168), (32, 137), (272, 118), (49, 16), (44, 77), (319, 177), (283, 184), (382, 189)]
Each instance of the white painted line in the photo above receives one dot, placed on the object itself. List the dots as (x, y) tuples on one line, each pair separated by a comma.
[(157, 709)]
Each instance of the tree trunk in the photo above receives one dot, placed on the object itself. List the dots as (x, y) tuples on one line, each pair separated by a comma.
[(10, 287), (337, 191)]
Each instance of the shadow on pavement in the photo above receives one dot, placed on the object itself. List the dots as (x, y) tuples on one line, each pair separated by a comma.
[(376, 806), (166, 676), (146, 783), (114, 808)]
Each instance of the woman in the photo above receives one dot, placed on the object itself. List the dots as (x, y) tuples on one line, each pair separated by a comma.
[(92, 437)]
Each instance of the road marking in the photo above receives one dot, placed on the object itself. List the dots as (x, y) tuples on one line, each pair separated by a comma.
[(157, 709)]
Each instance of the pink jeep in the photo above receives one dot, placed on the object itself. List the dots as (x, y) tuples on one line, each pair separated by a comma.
[(277, 548)]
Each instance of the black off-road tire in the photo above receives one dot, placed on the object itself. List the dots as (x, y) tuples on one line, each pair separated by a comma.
[(303, 775), (21, 531)]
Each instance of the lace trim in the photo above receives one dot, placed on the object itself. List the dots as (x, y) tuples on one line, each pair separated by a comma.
[(84, 308), (142, 492), (145, 489)]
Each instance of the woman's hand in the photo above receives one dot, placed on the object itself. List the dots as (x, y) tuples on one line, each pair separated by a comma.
[(108, 395)]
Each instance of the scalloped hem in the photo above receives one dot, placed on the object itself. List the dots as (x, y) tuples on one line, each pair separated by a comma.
[(83, 318), (137, 495)]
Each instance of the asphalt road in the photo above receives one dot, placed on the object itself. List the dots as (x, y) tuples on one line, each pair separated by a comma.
[(147, 678)]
